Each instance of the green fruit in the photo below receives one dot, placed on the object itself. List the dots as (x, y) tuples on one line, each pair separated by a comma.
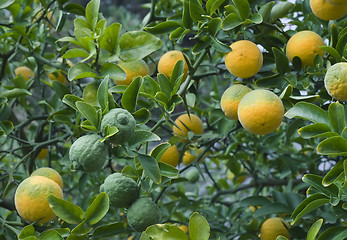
[(193, 175), (142, 214), (121, 119), (88, 154), (121, 190)]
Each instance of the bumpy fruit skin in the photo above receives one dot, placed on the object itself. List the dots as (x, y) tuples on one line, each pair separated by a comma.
[(168, 61), (88, 154), (305, 45), (326, 11), (260, 111), (335, 81), (188, 123), (121, 119), (122, 190), (49, 173), (274, 227), (31, 198), (142, 214), (171, 156), (244, 60), (231, 98), (26, 72), (132, 70)]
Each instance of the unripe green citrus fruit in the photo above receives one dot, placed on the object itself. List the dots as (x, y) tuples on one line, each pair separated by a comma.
[(88, 154), (122, 190), (335, 81), (121, 119), (142, 214)]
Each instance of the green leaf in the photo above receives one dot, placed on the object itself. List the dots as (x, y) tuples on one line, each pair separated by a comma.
[(316, 181), (337, 117), (219, 46), (98, 209), (50, 235), (334, 233), (89, 112), (272, 208), (196, 11), (243, 8), (71, 100), (265, 10), (6, 3), (92, 13), (151, 167), (187, 21), (309, 204), (214, 26), (15, 93), (165, 231), (80, 70), (255, 201), (314, 130), (130, 95), (76, 52), (109, 230), (113, 70), (65, 210), (231, 21), (213, 5), (27, 231), (163, 27), (82, 31), (165, 84), (110, 39), (333, 146), (81, 229), (198, 227), (167, 170), (334, 173), (332, 52), (341, 44), (142, 136), (282, 62), (137, 44), (280, 10), (102, 94), (159, 150), (314, 229), (6, 126), (74, 8), (308, 111), (142, 116)]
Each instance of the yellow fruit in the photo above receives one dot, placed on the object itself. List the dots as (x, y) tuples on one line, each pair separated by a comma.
[(31, 198), (337, 2), (231, 99), (335, 81), (168, 61), (274, 227), (191, 154), (184, 228), (171, 156), (244, 60), (49, 173), (24, 71), (58, 76), (260, 111), (132, 70), (42, 154), (188, 123), (305, 45), (326, 11)]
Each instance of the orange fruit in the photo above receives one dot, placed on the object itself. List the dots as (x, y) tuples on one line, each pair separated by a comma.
[(132, 69), (244, 60), (327, 11), (168, 61), (274, 227), (188, 123), (171, 156), (49, 173), (191, 154), (58, 76), (24, 71)]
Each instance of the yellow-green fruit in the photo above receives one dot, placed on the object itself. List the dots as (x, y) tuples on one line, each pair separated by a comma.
[(88, 154), (49, 173), (132, 70), (338, 2), (335, 81), (142, 214), (191, 154), (24, 71), (168, 61), (42, 154), (90, 93), (171, 156), (260, 111), (244, 60), (231, 98), (192, 175), (326, 11), (31, 198), (305, 45), (58, 76), (274, 227), (188, 123), (121, 119), (122, 190)]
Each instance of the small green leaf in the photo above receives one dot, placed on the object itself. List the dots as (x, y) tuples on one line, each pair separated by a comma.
[(243, 8), (214, 26), (151, 167), (231, 21), (65, 210), (74, 8), (109, 230), (150, 86), (282, 62), (142, 116), (71, 100), (89, 112), (187, 20), (314, 229), (198, 227), (272, 208), (332, 52), (337, 117), (130, 95), (142, 136), (334, 173), (196, 11), (50, 235), (333, 146), (92, 13), (314, 130), (110, 39), (334, 233), (280, 10), (308, 111), (167, 170), (6, 126), (76, 52), (159, 150), (213, 5), (27, 231), (80, 70), (255, 201), (265, 10), (113, 71), (98, 209), (15, 93), (316, 181), (102, 94), (81, 229), (163, 27), (341, 44), (6, 3), (165, 84)]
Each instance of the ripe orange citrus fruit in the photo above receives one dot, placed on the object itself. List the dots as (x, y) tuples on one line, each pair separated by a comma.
[(260, 111), (24, 71), (168, 61), (327, 11), (58, 76), (231, 98), (244, 60), (188, 123), (31, 198), (337, 2), (274, 227), (171, 156), (49, 173), (132, 69), (305, 45), (191, 154), (335, 81)]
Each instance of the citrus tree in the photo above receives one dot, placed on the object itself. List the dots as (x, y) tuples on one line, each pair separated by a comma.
[(211, 119)]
